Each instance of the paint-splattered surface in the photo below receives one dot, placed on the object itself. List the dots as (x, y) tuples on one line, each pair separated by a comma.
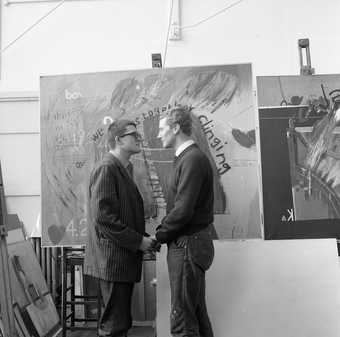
[(76, 110), (299, 119)]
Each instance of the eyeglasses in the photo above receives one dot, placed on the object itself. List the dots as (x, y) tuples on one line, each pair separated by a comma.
[(134, 134)]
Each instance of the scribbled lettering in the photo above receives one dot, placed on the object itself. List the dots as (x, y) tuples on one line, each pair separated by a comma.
[(61, 115), (68, 128), (290, 216), (97, 135), (222, 157), (215, 143), (209, 134), (72, 95), (225, 167), (152, 113), (79, 164)]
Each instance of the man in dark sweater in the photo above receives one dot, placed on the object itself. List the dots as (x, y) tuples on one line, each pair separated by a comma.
[(116, 229), (186, 227)]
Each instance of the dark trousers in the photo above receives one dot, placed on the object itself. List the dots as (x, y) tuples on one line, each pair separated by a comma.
[(116, 317), (189, 316)]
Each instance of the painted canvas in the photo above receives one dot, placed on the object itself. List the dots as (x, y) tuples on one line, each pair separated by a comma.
[(2, 329), (77, 109), (20, 324), (26, 276), (315, 160), (44, 315), (29, 287), (299, 136)]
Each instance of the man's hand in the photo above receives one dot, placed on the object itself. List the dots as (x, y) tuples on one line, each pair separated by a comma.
[(146, 244), (156, 246)]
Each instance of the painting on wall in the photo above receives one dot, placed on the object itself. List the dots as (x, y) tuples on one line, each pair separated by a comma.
[(299, 136), (76, 110)]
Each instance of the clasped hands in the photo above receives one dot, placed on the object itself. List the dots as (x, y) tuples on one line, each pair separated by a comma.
[(150, 244)]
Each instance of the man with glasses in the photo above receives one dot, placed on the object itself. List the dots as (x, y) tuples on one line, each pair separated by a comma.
[(186, 227), (116, 229)]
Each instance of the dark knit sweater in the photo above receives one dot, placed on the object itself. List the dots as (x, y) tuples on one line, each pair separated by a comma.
[(190, 197)]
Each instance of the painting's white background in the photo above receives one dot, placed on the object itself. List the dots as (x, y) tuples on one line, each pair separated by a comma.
[(100, 35), (257, 288)]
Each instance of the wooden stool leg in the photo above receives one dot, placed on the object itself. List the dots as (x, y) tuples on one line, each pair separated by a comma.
[(73, 286)]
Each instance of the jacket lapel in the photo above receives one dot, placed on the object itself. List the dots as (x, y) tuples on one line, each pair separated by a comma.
[(116, 162)]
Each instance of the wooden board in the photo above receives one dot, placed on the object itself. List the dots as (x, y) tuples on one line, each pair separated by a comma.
[(261, 288)]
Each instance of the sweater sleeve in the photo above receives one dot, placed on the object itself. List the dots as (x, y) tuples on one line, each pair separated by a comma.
[(190, 178), (105, 210)]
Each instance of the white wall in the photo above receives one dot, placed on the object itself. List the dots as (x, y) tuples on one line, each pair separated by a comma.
[(86, 36), (98, 35), (20, 155)]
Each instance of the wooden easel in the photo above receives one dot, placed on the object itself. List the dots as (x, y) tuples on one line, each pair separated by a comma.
[(5, 282), (305, 68)]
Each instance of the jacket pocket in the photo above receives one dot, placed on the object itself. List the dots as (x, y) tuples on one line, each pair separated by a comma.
[(201, 250)]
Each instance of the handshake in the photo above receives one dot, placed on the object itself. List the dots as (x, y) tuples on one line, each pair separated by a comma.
[(150, 244)]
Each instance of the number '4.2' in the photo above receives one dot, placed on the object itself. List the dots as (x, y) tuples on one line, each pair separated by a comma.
[(80, 230)]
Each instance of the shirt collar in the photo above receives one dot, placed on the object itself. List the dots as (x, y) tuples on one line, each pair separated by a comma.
[(183, 146), (124, 163)]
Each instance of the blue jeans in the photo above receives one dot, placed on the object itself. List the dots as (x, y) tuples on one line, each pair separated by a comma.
[(189, 316)]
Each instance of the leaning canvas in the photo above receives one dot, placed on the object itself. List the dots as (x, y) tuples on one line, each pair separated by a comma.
[(29, 288)]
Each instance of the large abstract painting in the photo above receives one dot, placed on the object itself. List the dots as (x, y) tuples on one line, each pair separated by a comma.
[(300, 149), (77, 109)]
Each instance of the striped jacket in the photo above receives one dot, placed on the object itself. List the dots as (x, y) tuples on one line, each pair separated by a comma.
[(115, 224)]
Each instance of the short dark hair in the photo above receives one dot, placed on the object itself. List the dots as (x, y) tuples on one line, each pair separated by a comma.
[(180, 115), (117, 129)]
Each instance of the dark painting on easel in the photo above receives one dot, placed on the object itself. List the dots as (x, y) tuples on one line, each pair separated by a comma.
[(77, 109), (300, 155)]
